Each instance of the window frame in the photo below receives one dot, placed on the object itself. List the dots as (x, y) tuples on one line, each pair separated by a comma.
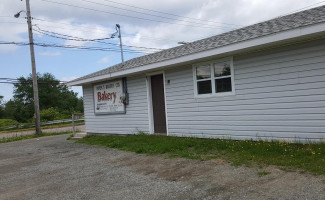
[(213, 78)]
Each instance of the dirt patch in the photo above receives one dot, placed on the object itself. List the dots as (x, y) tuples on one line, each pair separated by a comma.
[(219, 179), (17, 165)]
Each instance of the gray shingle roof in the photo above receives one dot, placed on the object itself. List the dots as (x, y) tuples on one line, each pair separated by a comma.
[(296, 20)]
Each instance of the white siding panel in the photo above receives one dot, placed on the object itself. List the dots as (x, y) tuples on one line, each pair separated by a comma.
[(280, 93), (135, 119)]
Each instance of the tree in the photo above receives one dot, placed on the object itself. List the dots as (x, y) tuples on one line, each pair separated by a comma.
[(2, 109), (18, 111), (52, 94)]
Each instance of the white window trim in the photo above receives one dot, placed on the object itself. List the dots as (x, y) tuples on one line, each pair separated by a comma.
[(212, 78)]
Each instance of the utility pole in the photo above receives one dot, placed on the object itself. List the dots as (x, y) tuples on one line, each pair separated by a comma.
[(34, 74), (121, 46)]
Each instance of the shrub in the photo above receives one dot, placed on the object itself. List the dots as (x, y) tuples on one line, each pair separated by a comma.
[(49, 114), (4, 123)]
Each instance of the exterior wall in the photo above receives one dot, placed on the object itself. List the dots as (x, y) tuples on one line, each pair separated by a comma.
[(135, 119), (279, 94)]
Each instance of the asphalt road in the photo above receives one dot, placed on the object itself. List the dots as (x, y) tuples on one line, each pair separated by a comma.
[(55, 168)]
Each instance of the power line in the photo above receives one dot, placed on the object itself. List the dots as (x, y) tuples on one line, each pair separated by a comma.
[(301, 9), (27, 81), (71, 28), (150, 38), (99, 40), (103, 31), (69, 37), (149, 14), (84, 48), (12, 23), (153, 38), (100, 30), (68, 28), (291, 12), (14, 43), (133, 17), (169, 13), (72, 47)]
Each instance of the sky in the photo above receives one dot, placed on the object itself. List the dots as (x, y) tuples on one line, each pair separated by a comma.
[(146, 26)]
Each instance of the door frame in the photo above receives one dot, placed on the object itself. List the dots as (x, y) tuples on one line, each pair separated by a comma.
[(149, 97)]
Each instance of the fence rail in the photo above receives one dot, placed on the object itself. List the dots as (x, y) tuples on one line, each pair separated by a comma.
[(43, 123)]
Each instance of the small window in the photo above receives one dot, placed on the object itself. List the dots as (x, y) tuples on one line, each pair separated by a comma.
[(222, 74), (204, 87), (214, 78), (203, 72), (203, 75)]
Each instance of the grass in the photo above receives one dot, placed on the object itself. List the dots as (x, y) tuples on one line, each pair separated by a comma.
[(24, 137), (65, 124), (305, 157), (263, 173)]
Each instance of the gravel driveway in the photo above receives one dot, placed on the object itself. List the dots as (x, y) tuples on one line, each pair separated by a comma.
[(55, 168)]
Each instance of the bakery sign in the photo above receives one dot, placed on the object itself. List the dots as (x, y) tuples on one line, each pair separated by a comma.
[(108, 98)]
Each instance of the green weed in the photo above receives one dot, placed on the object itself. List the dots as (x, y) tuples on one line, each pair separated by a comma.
[(309, 157), (263, 173)]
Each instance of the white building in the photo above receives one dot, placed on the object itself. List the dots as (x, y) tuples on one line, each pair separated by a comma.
[(266, 80)]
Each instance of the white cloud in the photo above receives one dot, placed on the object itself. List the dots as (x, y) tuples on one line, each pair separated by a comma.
[(104, 60), (135, 32), (10, 31)]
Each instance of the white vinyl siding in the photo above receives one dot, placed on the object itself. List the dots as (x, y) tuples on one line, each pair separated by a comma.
[(135, 119), (280, 93)]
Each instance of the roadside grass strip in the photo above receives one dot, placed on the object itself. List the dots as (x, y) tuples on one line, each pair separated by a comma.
[(24, 137), (308, 157), (60, 125)]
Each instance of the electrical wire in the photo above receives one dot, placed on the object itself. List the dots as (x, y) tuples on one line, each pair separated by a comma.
[(300, 9), (85, 48), (73, 47), (170, 13), (73, 38), (26, 81), (14, 43), (101, 4), (103, 31), (133, 17), (291, 12), (11, 23), (152, 38)]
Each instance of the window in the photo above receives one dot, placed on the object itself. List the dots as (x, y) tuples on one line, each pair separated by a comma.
[(214, 78)]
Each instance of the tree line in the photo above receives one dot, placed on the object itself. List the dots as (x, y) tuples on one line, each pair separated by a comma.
[(56, 100)]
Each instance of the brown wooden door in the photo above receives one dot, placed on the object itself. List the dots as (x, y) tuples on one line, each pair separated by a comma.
[(158, 103)]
